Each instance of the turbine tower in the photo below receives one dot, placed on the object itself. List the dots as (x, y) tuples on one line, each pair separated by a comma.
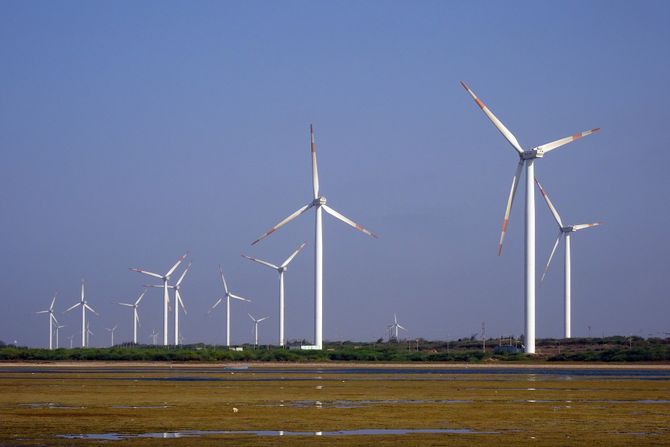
[(111, 331), (256, 323), (526, 159), (395, 326), (281, 269), (319, 205), (84, 307), (52, 320), (227, 295), (136, 315), (564, 231), (166, 299)]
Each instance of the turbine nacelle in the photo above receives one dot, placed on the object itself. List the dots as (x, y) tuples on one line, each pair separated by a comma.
[(319, 201), (536, 152)]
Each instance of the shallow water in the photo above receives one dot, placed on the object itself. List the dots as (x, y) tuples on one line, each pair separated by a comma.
[(197, 433)]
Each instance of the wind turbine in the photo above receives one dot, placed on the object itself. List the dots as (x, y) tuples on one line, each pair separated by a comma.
[(527, 160), (52, 320), (136, 315), (319, 204), (281, 269), (84, 307), (564, 231), (88, 333), (70, 337), (395, 326), (111, 331), (154, 336), (227, 295), (256, 322), (178, 303), (165, 278), (58, 328)]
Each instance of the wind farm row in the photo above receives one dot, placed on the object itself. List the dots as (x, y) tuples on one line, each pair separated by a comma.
[(318, 202)]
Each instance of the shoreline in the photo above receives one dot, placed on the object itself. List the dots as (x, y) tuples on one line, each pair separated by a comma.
[(336, 365)]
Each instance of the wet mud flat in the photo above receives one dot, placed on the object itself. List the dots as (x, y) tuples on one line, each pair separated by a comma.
[(332, 405)]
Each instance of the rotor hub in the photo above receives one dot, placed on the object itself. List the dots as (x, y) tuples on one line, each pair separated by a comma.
[(319, 201)]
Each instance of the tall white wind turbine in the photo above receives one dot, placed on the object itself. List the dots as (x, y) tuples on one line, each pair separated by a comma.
[(527, 159), (319, 204), (256, 323), (84, 307), (111, 331), (227, 296), (564, 231), (281, 269), (395, 326), (52, 320), (136, 315), (166, 299), (179, 302)]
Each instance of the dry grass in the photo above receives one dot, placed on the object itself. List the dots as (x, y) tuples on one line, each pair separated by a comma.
[(580, 411)]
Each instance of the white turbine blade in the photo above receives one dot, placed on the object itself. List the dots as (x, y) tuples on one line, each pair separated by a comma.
[(223, 279), (156, 286), (239, 298), (140, 297), (176, 264), (401, 327), (72, 307), (252, 318), (346, 220), (496, 122), (44, 311), (126, 304), (261, 319), (137, 318), (510, 201), (551, 256), (283, 222), (181, 278), (315, 170), (53, 317), (52, 303), (294, 254), (563, 141), (179, 301), (557, 217), (91, 309), (214, 306), (155, 275), (583, 226), (260, 261)]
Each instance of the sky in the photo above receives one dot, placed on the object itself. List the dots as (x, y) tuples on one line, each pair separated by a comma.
[(133, 132)]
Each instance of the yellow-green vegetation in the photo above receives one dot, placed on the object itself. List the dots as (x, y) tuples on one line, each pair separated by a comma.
[(501, 409)]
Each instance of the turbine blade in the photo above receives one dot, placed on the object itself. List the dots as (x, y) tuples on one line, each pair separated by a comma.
[(126, 304), (252, 318), (283, 222), (140, 297), (155, 286), (179, 301), (551, 256), (557, 217), (53, 317), (294, 254), (44, 311), (260, 261), (214, 306), (261, 319), (181, 278), (583, 226), (91, 309), (176, 264), (155, 275), (72, 307), (223, 279), (510, 201), (346, 220), (401, 327), (496, 122), (563, 141), (239, 298), (315, 171), (52, 303)]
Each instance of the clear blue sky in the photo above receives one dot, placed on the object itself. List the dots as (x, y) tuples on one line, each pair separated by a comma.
[(132, 132)]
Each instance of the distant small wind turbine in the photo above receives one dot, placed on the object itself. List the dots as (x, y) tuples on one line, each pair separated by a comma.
[(154, 336), (565, 232), (166, 298), (395, 326), (52, 320), (111, 331), (58, 328), (280, 269), (256, 323), (71, 338), (319, 205), (84, 307), (227, 296), (136, 315), (89, 332)]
